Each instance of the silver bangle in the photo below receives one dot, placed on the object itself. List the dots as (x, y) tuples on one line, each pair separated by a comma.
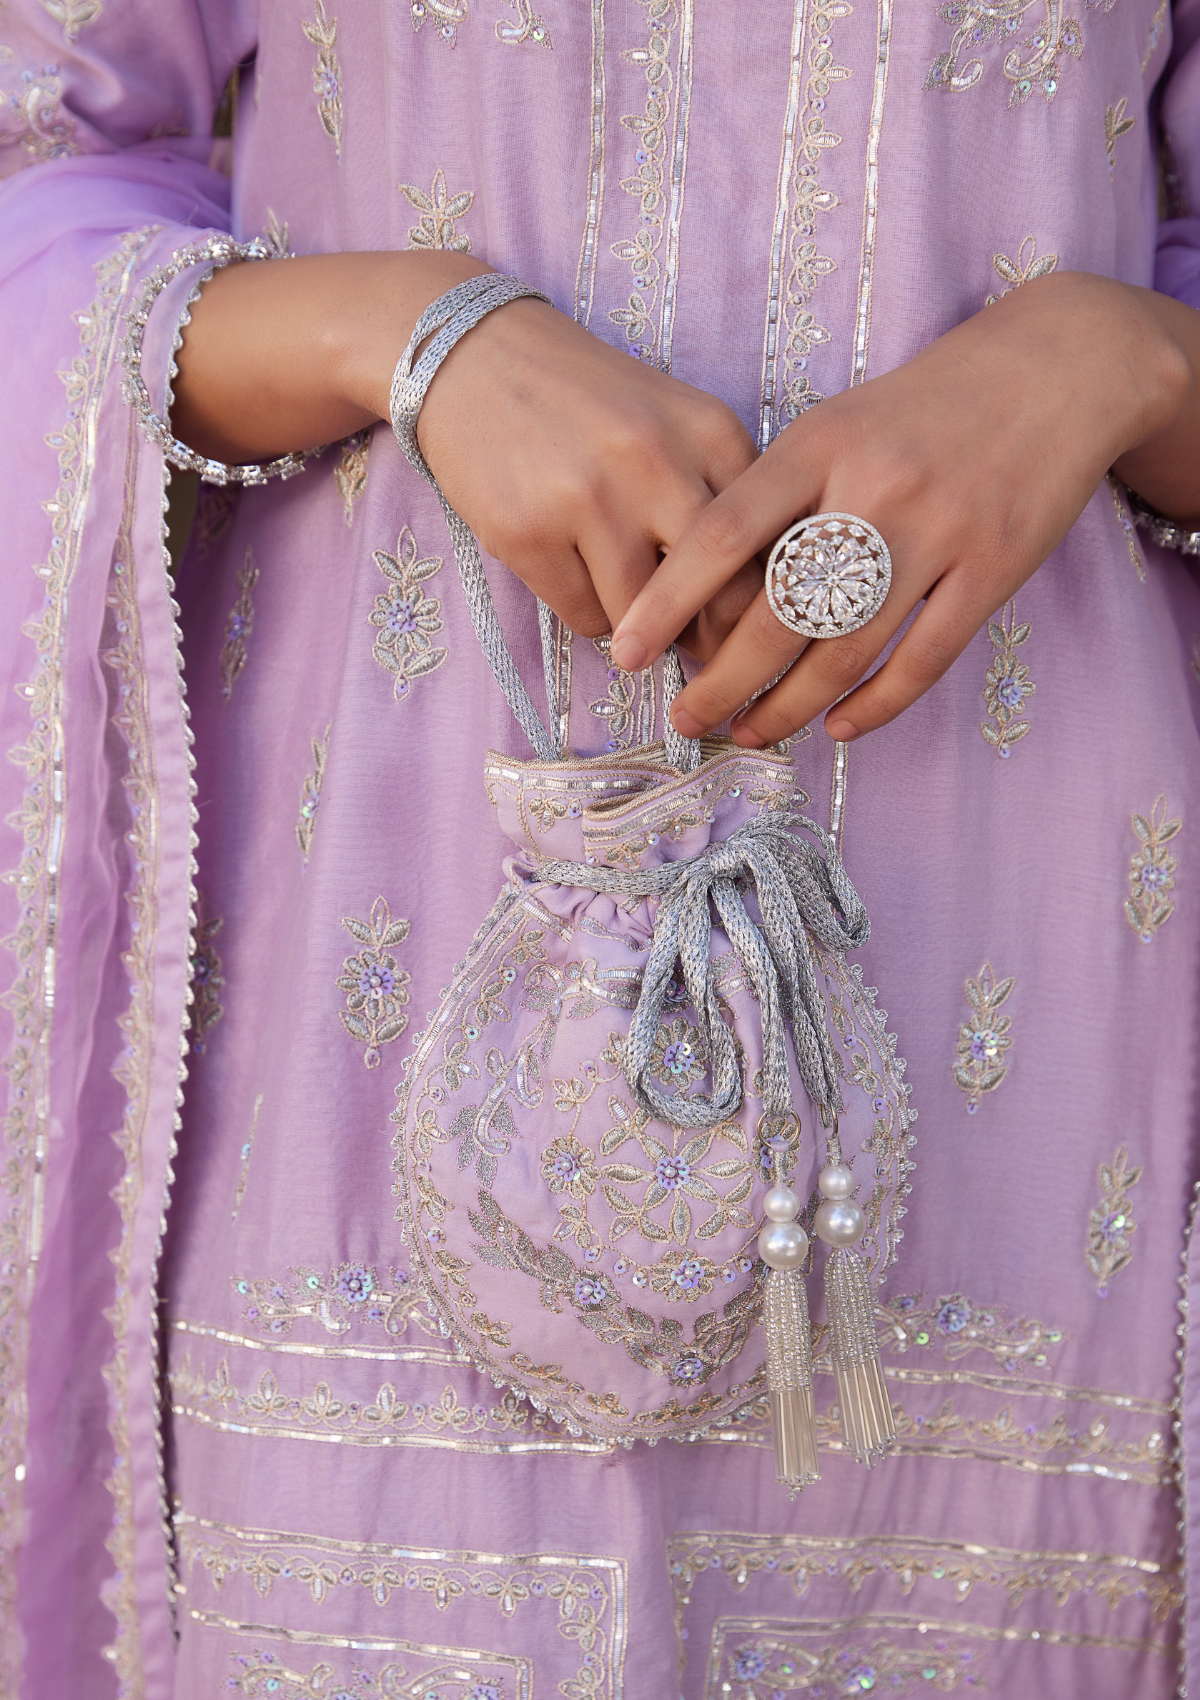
[(1160, 529), (219, 251)]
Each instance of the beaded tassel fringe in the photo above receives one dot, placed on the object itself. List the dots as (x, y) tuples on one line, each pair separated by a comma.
[(868, 1425), (790, 1379)]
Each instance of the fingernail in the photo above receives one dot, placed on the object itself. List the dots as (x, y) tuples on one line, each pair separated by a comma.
[(746, 736), (686, 724), (843, 731), (629, 653)]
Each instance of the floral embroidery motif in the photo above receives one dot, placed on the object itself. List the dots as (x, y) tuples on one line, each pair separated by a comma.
[(207, 980), (850, 1561), (1059, 1447), (959, 1326), (769, 1667), (247, 1152), (810, 199), (340, 1299), (437, 226), (278, 237), (1034, 62), (1111, 1223), (1152, 872), (376, 986), (1007, 684), (405, 619), (1116, 125), (350, 473), (238, 628), (647, 184), (31, 117), (310, 795), (1127, 526), (327, 73), (73, 14), (1029, 264), (985, 1038)]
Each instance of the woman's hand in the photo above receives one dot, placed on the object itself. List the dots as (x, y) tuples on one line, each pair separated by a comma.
[(573, 463), (973, 461)]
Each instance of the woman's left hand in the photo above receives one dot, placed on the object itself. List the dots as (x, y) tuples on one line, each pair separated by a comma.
[(973, 460)]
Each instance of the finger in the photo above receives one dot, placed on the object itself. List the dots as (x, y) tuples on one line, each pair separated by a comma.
[(729, 532), (937, 637), (759, 648), (706, 632), (623, 550), (564, 583), (828, 668)]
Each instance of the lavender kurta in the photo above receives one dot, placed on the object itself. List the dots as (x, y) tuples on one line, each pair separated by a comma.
[(774, 202)]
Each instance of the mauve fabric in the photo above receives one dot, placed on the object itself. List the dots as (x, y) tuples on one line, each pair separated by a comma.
[(352, 1508)]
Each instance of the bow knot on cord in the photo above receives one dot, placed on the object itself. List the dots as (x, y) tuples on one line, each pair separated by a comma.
[(801, 894)]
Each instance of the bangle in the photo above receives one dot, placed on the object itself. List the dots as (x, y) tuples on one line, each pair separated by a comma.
[(219, 251), (1161, 530)]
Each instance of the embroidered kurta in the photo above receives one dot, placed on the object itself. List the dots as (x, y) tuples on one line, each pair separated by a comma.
[(246, 1459)]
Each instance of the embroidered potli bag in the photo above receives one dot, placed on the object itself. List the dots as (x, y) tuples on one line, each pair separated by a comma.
[(599, 1132)]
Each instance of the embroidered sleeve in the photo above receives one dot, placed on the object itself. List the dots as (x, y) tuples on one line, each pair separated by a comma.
[(212, 253)]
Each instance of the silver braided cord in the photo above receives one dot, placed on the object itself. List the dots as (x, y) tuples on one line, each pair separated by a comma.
[(449, 318), (800, 894), (682, 753)]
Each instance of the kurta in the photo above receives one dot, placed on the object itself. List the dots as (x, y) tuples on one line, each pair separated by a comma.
[(247, 1459)]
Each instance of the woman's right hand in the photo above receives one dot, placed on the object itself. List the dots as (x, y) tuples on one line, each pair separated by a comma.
[(574, 464)]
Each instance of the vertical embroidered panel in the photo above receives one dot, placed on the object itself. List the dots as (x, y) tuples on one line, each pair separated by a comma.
[(985, 1038), (807, 200), (1149, 905), (40, 822), (656, 185), (1111, 1223)]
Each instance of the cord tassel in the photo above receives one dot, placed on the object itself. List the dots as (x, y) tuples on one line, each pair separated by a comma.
[(868, 1425), (790, 1379)]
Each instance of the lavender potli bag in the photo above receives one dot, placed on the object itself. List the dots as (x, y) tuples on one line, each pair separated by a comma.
[(599, 1132)]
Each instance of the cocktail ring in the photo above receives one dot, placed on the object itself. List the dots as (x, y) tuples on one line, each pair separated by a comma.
[(828, 575)]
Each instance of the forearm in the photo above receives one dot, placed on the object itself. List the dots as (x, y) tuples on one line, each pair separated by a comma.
[(286, 354), (1164, 468)]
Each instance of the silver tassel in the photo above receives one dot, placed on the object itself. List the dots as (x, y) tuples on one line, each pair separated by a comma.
[(790, 1379), (868, 1425)]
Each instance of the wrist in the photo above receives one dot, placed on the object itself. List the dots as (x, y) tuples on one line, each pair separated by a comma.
[(394, 290)]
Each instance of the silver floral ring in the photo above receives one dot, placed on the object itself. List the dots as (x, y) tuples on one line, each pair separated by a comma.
[(828, 575)]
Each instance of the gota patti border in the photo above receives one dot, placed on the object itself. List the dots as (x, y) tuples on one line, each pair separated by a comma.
[(42, 821), (585, 1594)]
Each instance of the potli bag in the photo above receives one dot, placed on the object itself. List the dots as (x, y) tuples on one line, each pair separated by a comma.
[(600, 1131)]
